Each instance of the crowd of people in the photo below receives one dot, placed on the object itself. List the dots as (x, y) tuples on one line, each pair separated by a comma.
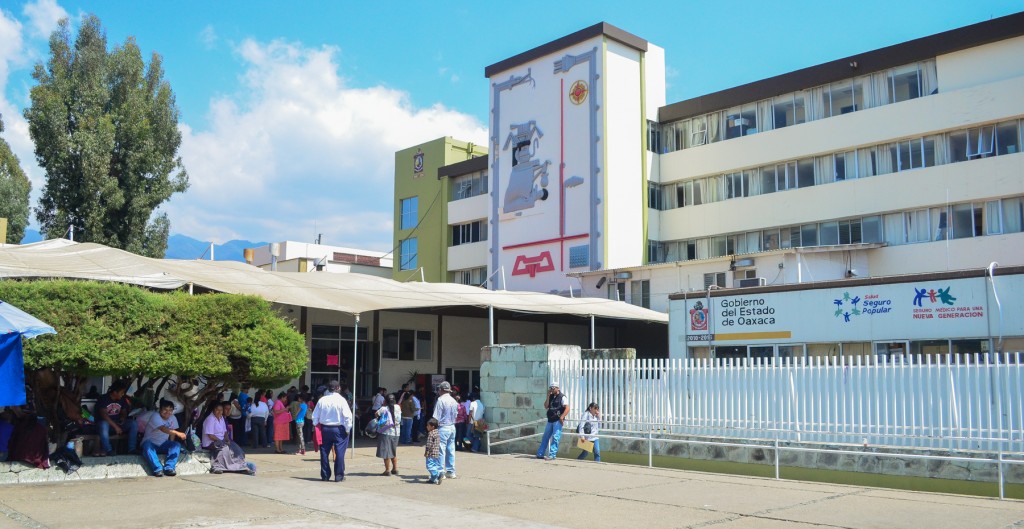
[(444, 420)]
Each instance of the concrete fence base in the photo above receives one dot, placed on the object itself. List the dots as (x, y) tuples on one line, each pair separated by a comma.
[(983, 469)]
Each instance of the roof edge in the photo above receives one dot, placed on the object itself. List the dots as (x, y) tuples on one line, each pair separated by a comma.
[(979, 34), (472, 165), (601, 28)]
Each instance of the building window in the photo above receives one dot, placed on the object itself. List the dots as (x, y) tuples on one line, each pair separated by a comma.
[(640, 293), (472, 276), (406, 344), (467, 186), (410, 207), (579, 256), (714, 278), (654, 196), (475, 231), (407, 255), (331, 350), (617, 291)]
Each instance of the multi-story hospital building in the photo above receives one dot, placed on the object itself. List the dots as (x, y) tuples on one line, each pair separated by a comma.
[(899, 161)]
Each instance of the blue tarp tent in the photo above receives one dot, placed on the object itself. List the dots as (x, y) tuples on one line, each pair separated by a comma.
[(15, 324)]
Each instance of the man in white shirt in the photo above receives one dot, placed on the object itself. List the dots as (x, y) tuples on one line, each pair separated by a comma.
[(162, 437), (334, 418)]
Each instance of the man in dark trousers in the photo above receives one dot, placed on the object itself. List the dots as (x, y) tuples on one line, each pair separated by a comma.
[(334, 418)]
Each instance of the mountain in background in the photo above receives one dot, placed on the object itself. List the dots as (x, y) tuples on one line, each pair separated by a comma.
[(184, 247), (31, 236)]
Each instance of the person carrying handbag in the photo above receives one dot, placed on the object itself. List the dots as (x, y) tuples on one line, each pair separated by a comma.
[(587, 430)]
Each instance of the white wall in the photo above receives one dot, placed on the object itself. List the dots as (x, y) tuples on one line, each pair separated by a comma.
[(469, 209), (472, 255), (981, 64), (625, 188), (461, 340)]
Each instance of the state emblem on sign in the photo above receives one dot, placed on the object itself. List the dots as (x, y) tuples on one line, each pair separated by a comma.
[(698, 317), (578, 92)]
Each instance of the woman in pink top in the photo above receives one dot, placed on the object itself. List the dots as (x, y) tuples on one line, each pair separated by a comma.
[(282, 422), (225, 455)]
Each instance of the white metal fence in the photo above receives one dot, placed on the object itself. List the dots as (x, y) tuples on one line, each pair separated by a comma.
[(955, 402)]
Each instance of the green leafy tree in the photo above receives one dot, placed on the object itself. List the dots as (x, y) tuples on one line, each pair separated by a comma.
[(14, 191), (105, 127), (192, 346)]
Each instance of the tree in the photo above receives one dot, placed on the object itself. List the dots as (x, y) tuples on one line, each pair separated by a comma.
[(196, 346), (14, 190), (105, 127)]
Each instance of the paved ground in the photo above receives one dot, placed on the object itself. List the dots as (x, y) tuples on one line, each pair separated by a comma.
[(500, 491)]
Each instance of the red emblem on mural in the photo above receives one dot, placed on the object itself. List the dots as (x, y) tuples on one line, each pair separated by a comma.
[(578, 92), (533, 265)]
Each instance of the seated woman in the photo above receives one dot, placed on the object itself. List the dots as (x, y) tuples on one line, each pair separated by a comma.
[(225, 455)]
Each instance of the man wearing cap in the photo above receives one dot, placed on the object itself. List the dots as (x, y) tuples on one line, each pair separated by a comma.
[(445, 411), (557, 408)]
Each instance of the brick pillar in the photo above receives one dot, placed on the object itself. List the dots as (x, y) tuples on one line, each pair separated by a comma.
[(514, 382)]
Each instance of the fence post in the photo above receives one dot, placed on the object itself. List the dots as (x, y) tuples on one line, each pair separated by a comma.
[(650, 445), (1000, 463), (776, 458)]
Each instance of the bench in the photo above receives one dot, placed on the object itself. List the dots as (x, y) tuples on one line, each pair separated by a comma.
[(93, 440)]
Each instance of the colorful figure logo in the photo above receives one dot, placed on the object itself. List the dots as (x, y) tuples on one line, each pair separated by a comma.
[(578, 92), (698, 317), (934, 296), (847, 306)]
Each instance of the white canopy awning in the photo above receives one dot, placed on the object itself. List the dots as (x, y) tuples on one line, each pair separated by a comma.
[(351, 293)]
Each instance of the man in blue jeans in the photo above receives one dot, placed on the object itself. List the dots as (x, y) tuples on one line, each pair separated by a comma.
[(445, 411), (557, 408), (162, 437), (111, 413)]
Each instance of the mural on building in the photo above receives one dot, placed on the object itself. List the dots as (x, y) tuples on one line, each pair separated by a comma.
[(545, 165), (523, 189)]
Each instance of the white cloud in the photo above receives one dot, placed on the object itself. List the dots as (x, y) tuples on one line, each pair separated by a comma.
[(298, 145), (14, 56), (208, 36), (43, 16)]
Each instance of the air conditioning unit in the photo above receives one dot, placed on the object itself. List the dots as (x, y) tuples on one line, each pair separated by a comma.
[(751, 282)]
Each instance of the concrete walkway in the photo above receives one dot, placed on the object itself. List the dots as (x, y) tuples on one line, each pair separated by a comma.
[(507, 491)]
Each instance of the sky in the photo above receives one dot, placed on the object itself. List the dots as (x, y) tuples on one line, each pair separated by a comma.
[(291, 112)]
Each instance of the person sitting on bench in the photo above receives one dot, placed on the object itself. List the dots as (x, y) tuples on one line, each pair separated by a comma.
[(162, 437), (111, 412)]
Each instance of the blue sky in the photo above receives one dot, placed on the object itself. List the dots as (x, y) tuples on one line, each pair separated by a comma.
[(291, 111)]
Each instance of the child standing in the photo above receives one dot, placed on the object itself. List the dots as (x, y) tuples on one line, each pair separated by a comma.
[(300, 423), (432, 451)]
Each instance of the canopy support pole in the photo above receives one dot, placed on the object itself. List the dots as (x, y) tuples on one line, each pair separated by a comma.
[(490, 324), (593, 340), (355, 418)]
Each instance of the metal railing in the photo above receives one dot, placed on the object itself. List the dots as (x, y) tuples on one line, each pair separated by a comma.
[(656, 432), (955, 402)]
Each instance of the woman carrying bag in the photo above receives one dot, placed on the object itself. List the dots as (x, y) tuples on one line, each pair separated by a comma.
[(587, 430)]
